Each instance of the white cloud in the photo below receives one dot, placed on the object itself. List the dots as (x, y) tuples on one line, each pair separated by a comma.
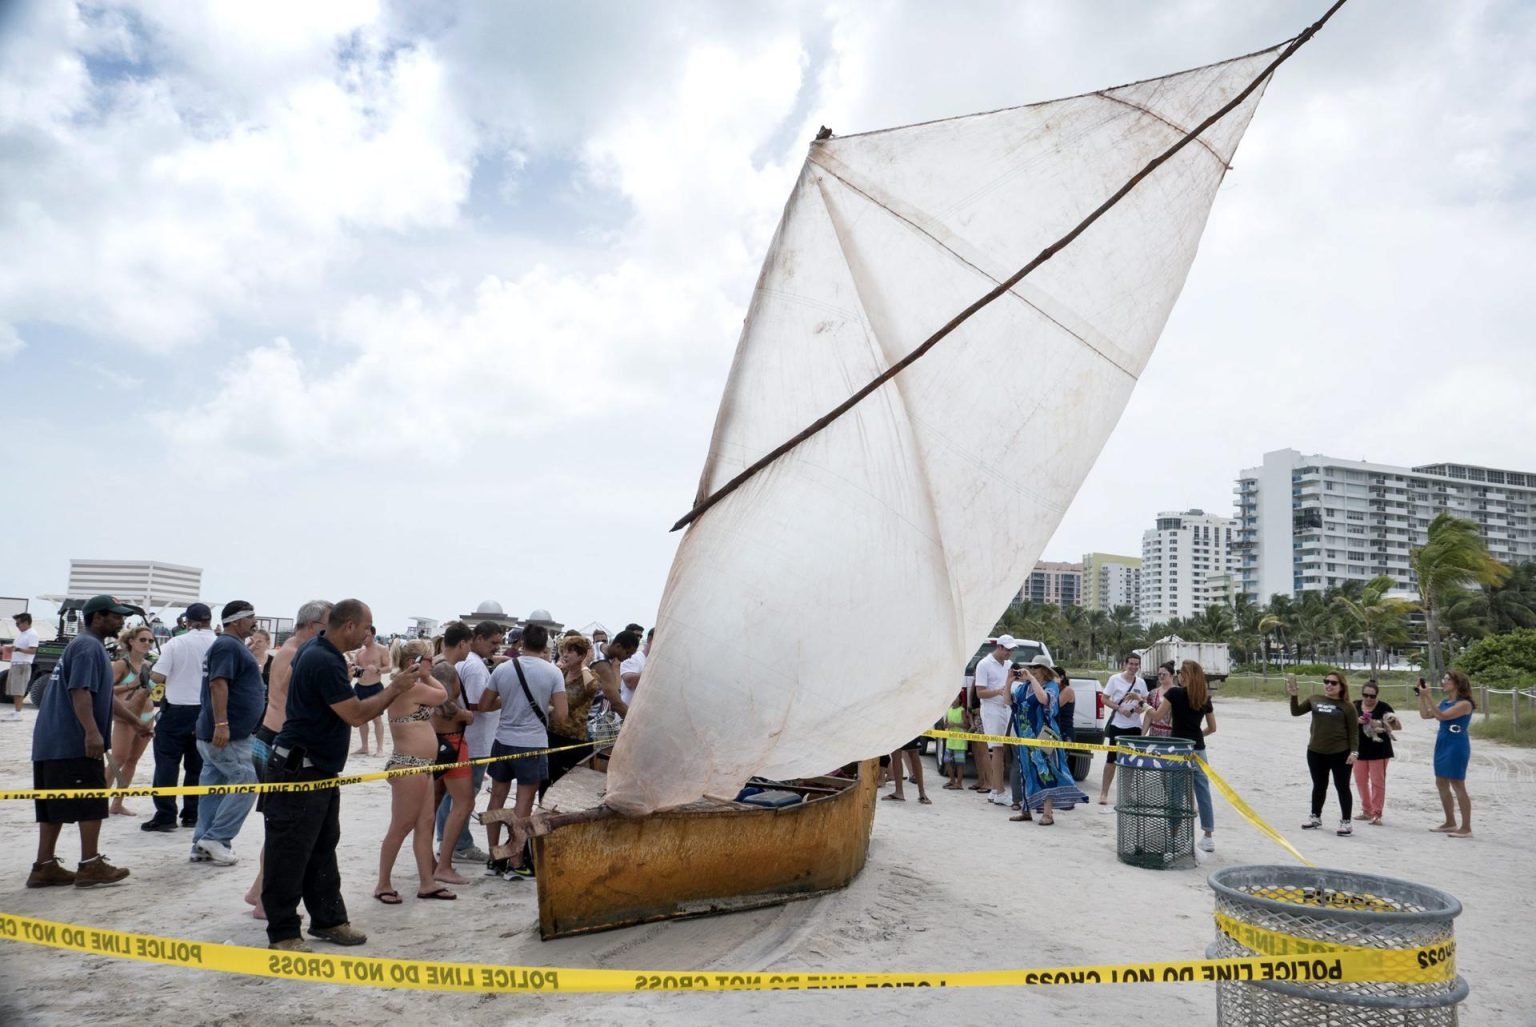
[(10, 341)]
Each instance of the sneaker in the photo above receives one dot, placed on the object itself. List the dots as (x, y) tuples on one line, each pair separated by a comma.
[(217, 851), (341, 934), (291, 945), (97, 870), (1206, 844), (51, 874), (1345, 827), (13, 715), (522, 873), (470, 855), (496, 867), (1312, 822), (198, 856), (158, 825)]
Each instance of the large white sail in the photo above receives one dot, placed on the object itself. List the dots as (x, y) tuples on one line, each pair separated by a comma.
[(824, 611)]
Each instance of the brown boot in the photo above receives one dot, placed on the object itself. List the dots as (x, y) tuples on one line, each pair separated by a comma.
[(341, 934), (97, 870), (49, 875)]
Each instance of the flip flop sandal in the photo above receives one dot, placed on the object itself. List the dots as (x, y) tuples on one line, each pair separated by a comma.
[(924, 800), (893, 798), (389, 898), (1020, 817), (441, 893)]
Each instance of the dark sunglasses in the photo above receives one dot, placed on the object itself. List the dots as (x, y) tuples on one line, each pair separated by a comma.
[(1369, 695), (1332, 681)]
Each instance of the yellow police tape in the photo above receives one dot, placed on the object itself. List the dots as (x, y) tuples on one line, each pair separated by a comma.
[(1332, 966), (275, 786), (1430, 963), (1244, 810)]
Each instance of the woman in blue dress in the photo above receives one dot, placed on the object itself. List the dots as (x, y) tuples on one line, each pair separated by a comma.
[(1453, 748), (1048, 783)]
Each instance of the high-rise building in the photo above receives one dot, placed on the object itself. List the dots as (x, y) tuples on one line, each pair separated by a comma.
[(1306, 523), (1185, 559), (1057, 583), (1110, 581)]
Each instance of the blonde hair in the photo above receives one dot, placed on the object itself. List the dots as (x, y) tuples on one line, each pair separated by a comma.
[(409, 652), (1192, 677), (127, 635)]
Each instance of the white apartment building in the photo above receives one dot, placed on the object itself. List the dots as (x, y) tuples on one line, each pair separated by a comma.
[(1185, 561), (1058, 583), (1306, 523), (1110, 581)]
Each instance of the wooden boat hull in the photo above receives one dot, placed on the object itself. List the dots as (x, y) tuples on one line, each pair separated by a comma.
[(597, 870)]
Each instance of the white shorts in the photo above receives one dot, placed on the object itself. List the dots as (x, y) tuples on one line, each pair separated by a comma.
[(18, 679), (994, 721)]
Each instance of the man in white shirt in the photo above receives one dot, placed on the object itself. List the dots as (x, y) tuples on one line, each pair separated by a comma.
[(523, 728), (23, 653), (993, 687), (1126, 696), (482, 644), (631, 669), (180, 670)]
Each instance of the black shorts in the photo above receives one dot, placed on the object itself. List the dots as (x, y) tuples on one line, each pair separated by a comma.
[(915, 745), (1111, 733), (529, 770), (80, 772), (366, 691)]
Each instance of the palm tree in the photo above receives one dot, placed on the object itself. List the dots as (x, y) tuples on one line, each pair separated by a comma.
[(1271, 624), (1097, 626), (1452, 560), (1074, 629), (1124, 629), (1381, 619), (1512, 604)]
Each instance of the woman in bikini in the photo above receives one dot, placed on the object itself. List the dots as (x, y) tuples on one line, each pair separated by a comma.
[(411, 811), (131, 684)]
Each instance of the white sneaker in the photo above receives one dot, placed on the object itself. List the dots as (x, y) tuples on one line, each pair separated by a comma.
[(997, 797), (217, 851), (1345, 827), (1206, 844), (1312, 822), (13, 715)]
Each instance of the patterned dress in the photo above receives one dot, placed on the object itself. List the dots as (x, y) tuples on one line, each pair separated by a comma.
[(1045, 771)]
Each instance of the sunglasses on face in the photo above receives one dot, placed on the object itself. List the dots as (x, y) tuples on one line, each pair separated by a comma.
[(1330, 681), (1369, 695)]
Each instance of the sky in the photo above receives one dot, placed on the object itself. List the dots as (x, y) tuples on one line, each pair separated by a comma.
[(431, 304)]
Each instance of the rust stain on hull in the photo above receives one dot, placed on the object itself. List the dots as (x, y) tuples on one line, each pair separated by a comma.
[(597, 871)]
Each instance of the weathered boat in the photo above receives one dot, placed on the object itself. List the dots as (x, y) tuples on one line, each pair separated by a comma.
[(875, 490), (790, 840)]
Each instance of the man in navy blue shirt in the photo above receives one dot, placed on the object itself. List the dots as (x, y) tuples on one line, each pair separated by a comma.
[(233, 700), (303, 827), (69, 742)]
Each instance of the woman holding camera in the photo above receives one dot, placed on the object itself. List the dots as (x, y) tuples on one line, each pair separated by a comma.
[(1453, 747), (1333, 745), (1048, 784)]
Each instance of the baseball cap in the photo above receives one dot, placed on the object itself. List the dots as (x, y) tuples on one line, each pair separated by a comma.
[(1007, 641), (109, 604), (199, 612)]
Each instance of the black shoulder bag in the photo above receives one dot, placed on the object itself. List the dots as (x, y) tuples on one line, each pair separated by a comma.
[(517, 665)]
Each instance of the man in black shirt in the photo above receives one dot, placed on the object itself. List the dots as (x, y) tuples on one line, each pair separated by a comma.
[(303, 827)]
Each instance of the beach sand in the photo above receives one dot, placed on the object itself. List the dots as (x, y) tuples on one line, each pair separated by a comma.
[(951, 886)]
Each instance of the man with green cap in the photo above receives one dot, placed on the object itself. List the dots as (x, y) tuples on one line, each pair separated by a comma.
[(69, 743)]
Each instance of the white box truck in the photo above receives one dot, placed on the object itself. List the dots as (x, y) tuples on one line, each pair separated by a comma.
[(1214, 657)]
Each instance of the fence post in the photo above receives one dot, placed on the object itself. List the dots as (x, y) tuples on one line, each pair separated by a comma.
[(1485, 704)]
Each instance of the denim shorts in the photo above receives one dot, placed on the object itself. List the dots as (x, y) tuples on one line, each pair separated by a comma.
[(529, 770)]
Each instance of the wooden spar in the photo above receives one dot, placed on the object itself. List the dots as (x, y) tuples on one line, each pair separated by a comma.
[(1008, 283)]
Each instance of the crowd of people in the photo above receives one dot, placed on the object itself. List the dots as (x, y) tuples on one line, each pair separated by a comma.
[(220, 707), (1350, 742)]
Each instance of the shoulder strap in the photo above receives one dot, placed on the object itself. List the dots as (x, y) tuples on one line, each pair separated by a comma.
[(517, 665)]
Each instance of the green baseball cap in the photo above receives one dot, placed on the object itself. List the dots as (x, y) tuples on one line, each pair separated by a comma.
[(108, 604)]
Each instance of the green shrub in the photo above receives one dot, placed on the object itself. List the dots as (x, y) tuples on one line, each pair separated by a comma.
[(1512, 654)]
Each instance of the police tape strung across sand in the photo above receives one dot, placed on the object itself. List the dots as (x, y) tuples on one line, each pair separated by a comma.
[(275, 786), (1343, 965)]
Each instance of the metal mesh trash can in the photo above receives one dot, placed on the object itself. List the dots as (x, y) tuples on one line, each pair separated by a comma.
[(1286, 908), (1155, 807)]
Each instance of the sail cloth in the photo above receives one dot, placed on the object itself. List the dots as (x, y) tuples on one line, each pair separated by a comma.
[(824, 611)]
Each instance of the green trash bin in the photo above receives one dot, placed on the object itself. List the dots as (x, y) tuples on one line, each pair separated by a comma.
[(1155, 807)]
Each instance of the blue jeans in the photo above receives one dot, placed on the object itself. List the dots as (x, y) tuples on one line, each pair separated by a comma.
[(1203, 793), (476, 778), (219, 817), (175, 746)]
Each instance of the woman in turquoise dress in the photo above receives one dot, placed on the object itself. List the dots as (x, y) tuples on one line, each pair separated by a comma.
[(1453, 748), (1048, 783)]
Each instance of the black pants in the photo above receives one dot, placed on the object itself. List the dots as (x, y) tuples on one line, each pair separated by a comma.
[(1336, 763), (560, 763), (302, 831), (176, 746)]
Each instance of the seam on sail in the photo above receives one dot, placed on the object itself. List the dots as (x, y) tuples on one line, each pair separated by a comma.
[(1177, 128), (817, 159), (882, 360)]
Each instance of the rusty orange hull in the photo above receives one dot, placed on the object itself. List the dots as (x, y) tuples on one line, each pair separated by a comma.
[(597, 870)]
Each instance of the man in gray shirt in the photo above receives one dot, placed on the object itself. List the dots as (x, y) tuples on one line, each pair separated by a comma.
[(523, 727)]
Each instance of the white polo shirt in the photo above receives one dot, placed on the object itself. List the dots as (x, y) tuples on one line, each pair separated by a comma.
[(181, 661), (24, 640), (474, 676), (989, 675)]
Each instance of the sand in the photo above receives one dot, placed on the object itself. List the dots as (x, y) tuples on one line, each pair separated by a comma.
[(949, 886)]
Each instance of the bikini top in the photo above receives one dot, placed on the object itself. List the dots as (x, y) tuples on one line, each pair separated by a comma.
[(420, 713)]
